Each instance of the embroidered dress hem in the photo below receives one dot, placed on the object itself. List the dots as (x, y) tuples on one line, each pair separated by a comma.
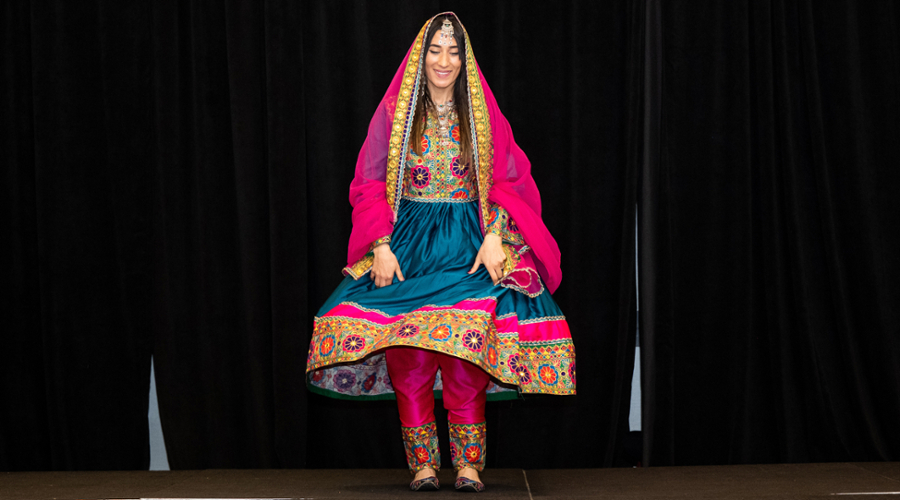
[(520, 339)]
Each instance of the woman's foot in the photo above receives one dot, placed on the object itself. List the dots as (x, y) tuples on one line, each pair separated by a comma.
[(425, 480), (467, 479), (426, 472)]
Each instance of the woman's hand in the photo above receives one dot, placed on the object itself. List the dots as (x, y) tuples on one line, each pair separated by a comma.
[(385, 266), (492, 256)]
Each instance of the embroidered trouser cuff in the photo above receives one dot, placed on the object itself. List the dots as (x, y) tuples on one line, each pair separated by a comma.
[(467, 445), (422, 448)]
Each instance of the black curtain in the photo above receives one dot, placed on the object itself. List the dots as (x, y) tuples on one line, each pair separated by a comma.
[(77, 165), (177, 180), (770, 254)]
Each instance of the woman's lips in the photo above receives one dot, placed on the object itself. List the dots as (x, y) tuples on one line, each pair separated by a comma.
[(442, 74)]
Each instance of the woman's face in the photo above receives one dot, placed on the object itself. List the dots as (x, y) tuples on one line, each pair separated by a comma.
[(442, 62)]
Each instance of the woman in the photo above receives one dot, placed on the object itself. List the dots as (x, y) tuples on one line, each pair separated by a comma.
[(446, 223)]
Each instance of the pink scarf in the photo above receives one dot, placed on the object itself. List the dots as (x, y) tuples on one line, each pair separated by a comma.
[(504, 172)]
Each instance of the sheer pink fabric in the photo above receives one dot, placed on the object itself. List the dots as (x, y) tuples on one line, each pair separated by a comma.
[(513, 187)]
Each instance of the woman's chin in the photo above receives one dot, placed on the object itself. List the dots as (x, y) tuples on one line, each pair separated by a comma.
[(441, 83)]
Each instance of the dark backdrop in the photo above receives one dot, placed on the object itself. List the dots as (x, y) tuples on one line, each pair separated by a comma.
[(770, 250), (176, 186), (177, 179)]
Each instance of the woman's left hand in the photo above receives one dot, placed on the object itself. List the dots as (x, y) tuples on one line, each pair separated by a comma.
[(492, 256)]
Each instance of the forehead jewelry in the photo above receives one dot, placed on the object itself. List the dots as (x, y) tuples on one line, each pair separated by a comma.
[(446, 33)]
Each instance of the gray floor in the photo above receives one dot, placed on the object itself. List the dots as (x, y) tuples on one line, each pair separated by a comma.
[(772, 482)]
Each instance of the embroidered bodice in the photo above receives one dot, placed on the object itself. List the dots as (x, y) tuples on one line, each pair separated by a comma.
[(438, 174)]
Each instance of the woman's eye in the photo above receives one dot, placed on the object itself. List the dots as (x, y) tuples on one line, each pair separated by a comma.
[(435, 52)]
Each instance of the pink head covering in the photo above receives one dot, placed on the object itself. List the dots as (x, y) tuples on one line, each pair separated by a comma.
[(504, 172)]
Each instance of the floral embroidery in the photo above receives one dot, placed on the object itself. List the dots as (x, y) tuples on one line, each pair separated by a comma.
[(492, 356), (473, 453), (494, 216), (454, 133), (458, 170), (408, 331), (354, 343), (448, 177), (441, 333), (327, 345), (460, 194), (474, 340), (369, 383), (421, 177), (468, 334), (422, 447), (345, 379), (467, 445), (524, 374), (548, 374), (513, 362), (421, 454), (501, 224)]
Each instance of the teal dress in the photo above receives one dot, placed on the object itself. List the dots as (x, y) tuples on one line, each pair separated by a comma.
[(521, 339)]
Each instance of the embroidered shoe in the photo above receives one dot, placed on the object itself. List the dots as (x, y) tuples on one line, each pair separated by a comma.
[(468, 485), (425, 484)]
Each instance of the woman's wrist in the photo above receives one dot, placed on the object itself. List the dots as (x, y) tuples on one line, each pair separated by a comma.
[(493, 239)]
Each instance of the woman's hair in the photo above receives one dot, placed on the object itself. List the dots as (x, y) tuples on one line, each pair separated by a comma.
[(425, 105)]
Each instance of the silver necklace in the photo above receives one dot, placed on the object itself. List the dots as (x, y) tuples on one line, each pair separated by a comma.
[(443, 115)]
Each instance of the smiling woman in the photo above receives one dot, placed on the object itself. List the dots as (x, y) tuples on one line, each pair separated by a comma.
[(447, 225), (445, 84)]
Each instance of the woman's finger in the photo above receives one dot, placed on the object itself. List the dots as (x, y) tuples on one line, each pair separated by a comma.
[(399, 274), (493, 274), (477, 262)]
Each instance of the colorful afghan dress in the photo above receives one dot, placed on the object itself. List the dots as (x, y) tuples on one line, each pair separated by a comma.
[(434, 210)]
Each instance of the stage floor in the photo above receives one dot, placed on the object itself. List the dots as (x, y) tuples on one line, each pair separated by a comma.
[(787, 481)]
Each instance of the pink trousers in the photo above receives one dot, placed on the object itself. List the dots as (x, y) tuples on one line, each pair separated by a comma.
[(412, 374)]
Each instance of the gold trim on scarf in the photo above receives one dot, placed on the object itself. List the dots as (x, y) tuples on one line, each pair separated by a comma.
[(401, 126), (482, 139), (479, 121)]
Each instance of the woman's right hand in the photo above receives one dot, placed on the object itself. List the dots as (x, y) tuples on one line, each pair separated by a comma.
[(385, 266)]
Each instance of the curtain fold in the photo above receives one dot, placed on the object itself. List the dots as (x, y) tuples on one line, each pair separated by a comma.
[(769, 235), (75, 360)]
